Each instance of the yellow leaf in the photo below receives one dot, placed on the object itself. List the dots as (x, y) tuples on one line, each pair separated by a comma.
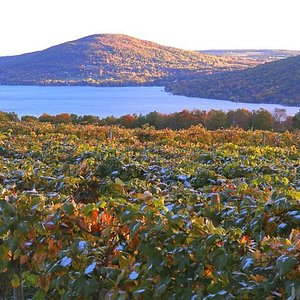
[(15, 282), (258, 278), (17, 254), (123, 261), (287, 242)]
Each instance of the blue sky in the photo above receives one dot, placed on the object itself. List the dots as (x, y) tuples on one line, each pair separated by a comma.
[(29, 25)]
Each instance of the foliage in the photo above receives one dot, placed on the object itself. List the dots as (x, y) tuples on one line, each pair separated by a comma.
[(274, 82), (296, 120), (214, 119), (89, 212), (254, 56), (110, 60)]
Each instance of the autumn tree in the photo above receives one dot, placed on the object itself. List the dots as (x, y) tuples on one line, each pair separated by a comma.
[(90, 119), (216, 119), (262, 120), (127, 121), (63, 118), (28, 118), (154, 119), (185, 119), (240, 117), (296, 120), (46, 118), (3, 116), (279, 117)]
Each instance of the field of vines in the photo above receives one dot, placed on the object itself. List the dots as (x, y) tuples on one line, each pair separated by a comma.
[(89, 212)]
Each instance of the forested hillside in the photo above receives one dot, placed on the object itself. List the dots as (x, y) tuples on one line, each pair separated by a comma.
[(110, 59), (274, 82), (253, 56)]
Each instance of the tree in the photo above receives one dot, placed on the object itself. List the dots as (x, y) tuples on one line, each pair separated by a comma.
[(154, 119), (240, 117), (12, 116), (296, 121), (262, 120), (216, 119), (74, 118), (28, 118), (3, 116), (46, 118), (90, 119), (185, 119), (279, 117), (63, 118), (127, 121)]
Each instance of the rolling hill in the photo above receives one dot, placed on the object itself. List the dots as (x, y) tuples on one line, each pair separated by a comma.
[(257, 56), (274, 82), (110, 59)]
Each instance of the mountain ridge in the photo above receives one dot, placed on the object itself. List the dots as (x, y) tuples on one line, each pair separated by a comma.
[(255, 55), (110, 59), (275, 82)]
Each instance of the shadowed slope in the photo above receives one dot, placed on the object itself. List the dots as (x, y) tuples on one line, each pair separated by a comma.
[(274, 82)]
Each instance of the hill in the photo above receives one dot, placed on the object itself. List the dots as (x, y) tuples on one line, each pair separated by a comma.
[(109, 59), (253, 55), (274, 82)]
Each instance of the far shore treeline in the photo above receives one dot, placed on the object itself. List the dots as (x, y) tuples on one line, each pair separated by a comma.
[(214, 119)]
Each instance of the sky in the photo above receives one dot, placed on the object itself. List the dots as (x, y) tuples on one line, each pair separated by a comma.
[(31, 25)]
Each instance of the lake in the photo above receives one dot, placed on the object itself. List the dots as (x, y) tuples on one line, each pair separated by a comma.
[(107, 101)]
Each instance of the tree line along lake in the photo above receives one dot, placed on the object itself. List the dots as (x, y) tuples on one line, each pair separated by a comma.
[(108, 101)]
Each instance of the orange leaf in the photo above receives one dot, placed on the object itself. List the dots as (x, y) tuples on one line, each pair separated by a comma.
[(245, 239), (208, 272), (125, 230), (258, 278), (44, 282), (24, 259), (94, 215), (106, 218), (54, 247), (95, 228), (134, 242)]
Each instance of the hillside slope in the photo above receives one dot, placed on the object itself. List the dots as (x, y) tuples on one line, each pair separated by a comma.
[(253, 56), (274, 82), (109, 59)]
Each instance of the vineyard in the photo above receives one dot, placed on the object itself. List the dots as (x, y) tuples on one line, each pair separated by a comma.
[(91, 212)]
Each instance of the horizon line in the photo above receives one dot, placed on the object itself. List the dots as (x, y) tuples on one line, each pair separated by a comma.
[(198, 50)]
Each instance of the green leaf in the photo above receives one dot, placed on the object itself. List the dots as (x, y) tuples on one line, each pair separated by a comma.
[(161, 287), (119, 182), (284, 264), (68, 208), (88, 208), (29, 278)]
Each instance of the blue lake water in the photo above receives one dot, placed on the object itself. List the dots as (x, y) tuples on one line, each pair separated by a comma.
[(107, 101)]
